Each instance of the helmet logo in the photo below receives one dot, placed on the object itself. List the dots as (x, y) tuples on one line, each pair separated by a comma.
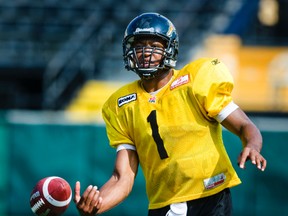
[(170, 30), (138, 30)]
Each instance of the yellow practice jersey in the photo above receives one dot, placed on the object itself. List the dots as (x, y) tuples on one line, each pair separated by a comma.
[(178, 141)]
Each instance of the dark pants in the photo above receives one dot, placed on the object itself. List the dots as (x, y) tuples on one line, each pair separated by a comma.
[(219, 204)]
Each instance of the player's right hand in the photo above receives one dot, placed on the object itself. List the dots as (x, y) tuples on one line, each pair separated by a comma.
[(90, 202)]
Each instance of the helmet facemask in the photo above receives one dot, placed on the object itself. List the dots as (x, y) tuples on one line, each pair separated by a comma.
[(140, 59)]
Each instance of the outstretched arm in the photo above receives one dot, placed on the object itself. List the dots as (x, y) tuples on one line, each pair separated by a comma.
[(239, 123), (114, 191)]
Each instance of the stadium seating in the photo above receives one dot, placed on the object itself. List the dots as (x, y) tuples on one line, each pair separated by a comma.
[(35, 33), (49, 48)]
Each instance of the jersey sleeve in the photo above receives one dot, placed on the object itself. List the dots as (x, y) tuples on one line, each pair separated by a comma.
[(115, 126), (212, 87)]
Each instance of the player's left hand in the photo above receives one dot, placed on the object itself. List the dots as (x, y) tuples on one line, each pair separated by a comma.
[(90, 202), (252, 154)]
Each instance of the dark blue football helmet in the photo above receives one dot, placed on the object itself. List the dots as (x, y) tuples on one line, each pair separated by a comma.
[(150, 25)]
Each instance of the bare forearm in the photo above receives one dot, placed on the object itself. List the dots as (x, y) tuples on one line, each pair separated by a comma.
[(114, 192), (118, 187), (239, 124), (251, 137)]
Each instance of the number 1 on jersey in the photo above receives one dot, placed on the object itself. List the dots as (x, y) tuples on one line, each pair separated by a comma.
[(156, 136)]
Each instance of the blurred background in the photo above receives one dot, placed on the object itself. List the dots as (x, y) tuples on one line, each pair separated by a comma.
[(60, 60)]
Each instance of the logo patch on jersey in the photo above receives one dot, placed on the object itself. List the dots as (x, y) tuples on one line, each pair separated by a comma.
[(152, 99), (126, 99), (214, 181), (180, 81), (215, 61)]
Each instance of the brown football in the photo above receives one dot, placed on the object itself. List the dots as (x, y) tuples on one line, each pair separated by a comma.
[(51, 196)]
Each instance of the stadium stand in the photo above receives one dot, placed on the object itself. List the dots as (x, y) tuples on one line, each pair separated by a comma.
[(49, 49)]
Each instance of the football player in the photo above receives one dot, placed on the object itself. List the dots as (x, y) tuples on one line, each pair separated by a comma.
[(170, 122)]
